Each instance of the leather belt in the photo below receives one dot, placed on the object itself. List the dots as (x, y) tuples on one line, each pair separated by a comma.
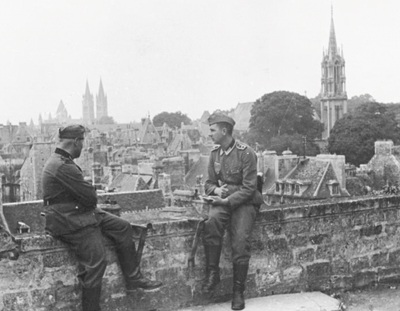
[(55, 201)]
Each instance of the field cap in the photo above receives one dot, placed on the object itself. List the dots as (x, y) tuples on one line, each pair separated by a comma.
[(218, 117), (72, 131)]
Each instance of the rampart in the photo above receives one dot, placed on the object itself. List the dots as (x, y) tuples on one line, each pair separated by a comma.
[(323, 246)]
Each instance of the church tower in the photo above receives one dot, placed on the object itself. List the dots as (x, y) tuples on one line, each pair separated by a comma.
[(87, 106), (333, 84), (101, 103)]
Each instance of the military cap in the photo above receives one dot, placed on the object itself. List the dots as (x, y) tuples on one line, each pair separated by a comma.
[(72, 131), (218, 117)]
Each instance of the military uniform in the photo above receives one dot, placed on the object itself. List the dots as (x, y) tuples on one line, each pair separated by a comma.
[(72, 216), (232, 178), (236, 168)]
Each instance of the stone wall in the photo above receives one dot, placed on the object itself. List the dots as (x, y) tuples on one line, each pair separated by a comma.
[(326, 247), (29, 212)]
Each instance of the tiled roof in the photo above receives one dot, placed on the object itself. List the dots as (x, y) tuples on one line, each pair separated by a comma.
[(125, 182)]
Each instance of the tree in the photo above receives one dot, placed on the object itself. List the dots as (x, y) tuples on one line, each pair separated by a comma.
[(356, 101), (294, 143), (282, 113), (354, 135), (173, 119)]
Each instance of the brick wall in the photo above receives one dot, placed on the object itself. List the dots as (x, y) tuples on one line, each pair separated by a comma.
[(325, 247)]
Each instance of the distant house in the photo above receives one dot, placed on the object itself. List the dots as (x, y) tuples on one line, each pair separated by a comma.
[(311, 178), (384, 166)]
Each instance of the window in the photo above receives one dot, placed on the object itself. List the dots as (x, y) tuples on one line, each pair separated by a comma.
[(297, 188), (335, 189), (277, 187)]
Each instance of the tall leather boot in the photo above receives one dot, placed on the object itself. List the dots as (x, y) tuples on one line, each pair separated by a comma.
[(213, 253), (239, 283), (131, 270), (91, 298)]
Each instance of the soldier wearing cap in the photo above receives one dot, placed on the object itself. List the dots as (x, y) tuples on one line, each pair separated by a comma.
[(232, 188), (72, 216)]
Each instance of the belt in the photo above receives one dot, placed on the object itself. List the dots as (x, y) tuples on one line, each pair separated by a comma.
[(55, 201)]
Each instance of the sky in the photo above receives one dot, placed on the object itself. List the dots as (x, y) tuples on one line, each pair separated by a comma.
[(187, 55)]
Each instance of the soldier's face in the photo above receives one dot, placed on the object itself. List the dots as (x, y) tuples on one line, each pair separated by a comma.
[(79, 147), (216, 133)]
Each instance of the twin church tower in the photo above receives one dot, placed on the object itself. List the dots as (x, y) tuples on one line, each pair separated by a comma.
[(88, 113), (333, 89)]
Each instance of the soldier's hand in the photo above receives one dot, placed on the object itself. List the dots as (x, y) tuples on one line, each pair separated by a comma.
[(222, 191), (216, 200)]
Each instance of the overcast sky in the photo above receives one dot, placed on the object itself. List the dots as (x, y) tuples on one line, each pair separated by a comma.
[(187, 55)]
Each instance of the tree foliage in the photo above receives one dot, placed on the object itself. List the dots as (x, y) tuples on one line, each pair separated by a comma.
[(282, 117), (295, 143), (356, 101), (173, 119), (355, 134)]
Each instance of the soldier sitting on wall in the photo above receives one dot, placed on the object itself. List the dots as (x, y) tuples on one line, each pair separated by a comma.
[(72, 216)]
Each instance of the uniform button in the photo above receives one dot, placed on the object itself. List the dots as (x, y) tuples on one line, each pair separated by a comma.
[(76, 207)]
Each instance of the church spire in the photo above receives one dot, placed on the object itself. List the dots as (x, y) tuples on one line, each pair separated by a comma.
[(87, 91), (332, 49)]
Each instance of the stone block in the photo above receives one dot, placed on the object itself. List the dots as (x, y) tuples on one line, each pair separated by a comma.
[(297, 227), (318, 270), (371, 230), (284, 259), (18, 301), (58, 259), (293, 274), (324, 251), (386, 275), (364, 279), (394, 257), (391, 216), (379, 259), (340, 267), (266, 278), (271, 216), (319, 239), (341, 282), (299, 241), (306, 255), (278, 244), (43, 298), (359, 263), (358, 220), (391, 229), (374, 217)]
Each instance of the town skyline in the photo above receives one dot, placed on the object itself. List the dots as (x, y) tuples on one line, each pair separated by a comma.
[(153, 57)]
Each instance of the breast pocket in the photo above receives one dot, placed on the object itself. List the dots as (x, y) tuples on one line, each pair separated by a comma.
[(235, 175)]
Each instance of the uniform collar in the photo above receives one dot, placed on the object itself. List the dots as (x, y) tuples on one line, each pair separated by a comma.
[(229, 149), (63, 153)]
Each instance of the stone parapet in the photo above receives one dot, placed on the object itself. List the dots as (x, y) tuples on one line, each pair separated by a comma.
[(321, 246)]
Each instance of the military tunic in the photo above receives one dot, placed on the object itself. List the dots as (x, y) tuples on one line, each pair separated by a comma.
[(236, 168), (72, 216)]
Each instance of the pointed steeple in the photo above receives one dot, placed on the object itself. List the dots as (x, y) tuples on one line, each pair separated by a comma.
[(87, 105), (332, 49), (87, 91), (101, 90), (101, 102)]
